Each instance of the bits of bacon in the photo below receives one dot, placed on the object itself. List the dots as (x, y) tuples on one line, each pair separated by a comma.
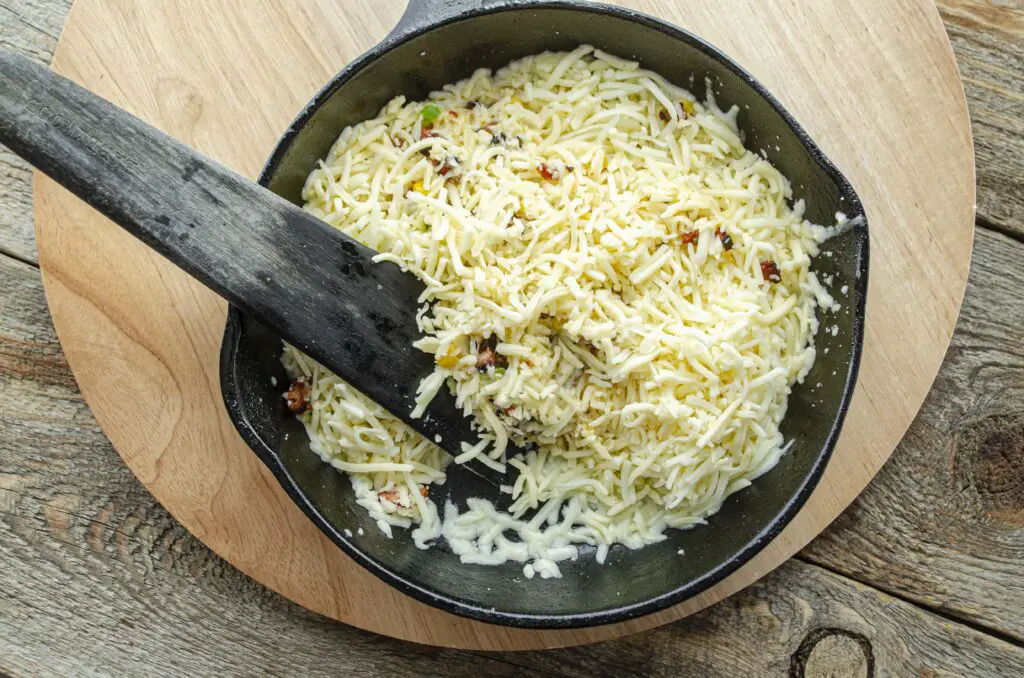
[(725, 238), (297, 397), (393, 496), (487, 354), (770, 271)]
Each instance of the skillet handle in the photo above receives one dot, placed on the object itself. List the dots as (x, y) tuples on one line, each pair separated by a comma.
[(420, 14)]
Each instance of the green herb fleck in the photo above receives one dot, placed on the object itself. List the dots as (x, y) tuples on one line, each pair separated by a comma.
[(430, 113), (499, 372)]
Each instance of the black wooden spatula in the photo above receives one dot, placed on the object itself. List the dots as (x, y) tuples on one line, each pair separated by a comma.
[(310, 283)]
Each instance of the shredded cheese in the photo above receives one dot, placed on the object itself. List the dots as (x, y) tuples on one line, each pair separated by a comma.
[(610, 276)]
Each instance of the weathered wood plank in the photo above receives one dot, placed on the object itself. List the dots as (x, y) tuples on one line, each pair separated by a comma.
[(96, 576), (943, 523), (32, 28), (83, 597), (988, 39), (16, 227)]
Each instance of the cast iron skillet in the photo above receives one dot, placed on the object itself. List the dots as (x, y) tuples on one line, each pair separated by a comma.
[(439, 42)]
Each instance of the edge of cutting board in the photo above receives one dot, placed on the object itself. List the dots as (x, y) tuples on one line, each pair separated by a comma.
[(226, 76)]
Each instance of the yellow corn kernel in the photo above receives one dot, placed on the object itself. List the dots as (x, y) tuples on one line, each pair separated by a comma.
[(418, 187), (450, 358), (688, 107)]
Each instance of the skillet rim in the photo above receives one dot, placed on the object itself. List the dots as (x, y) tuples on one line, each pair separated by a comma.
[(233, 334)]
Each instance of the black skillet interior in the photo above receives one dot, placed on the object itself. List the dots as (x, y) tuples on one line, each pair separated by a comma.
[(630, 583)]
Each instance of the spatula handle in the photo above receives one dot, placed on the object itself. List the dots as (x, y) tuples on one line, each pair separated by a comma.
[(223, 229), (310, 283)]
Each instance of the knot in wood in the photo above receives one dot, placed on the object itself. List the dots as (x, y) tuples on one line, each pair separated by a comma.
[(833, 653), (993, 452)]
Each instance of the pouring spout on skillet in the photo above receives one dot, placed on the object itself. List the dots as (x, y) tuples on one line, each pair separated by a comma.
[(311, 284)]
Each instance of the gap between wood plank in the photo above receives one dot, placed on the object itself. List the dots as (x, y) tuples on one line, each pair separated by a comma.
[(25, 22), (1010, 640), (998, 635), (518, 665), (24, 260), (938, 612), (981, 221)]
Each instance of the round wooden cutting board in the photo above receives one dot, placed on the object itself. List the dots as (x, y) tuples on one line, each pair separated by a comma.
[(874, 82)]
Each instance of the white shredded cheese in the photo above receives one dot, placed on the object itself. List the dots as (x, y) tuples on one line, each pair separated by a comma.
[(609, 275)]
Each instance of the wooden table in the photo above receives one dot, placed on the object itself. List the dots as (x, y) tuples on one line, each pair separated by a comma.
[(924, 575)]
